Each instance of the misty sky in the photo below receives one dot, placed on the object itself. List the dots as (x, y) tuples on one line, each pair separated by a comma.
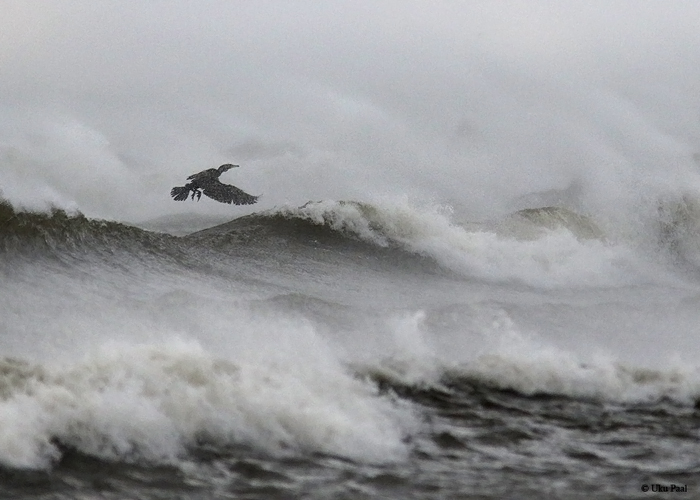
[(105, 105)]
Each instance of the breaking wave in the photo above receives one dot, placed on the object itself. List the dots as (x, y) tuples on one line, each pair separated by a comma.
[(158, 403), (501, 357), (546, 247), (58, 232), (153, 403)]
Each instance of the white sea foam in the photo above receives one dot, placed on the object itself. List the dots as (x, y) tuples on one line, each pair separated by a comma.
[(524, 364), (556, 257), (500, 355), (151, 402)]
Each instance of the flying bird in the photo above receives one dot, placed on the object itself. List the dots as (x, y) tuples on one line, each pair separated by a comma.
[(207, 182)]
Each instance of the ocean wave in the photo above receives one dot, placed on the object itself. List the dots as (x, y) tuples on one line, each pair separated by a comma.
[(547, 370), (58, 230), (545, 247), (152, 403), (484, 348), (567, 249), (514, 361), (533, 222), (73, 240)]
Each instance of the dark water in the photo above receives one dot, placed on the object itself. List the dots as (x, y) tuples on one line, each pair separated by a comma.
[(343, 350)]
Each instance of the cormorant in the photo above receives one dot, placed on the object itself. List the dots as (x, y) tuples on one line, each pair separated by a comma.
[(207, 182)]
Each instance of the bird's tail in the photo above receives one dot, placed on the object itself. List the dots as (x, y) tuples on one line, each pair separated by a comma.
[(180, 193)]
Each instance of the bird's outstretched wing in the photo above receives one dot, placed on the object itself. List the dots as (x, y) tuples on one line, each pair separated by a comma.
[(225, 193)]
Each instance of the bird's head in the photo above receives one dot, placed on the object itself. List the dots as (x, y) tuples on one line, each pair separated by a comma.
[(226, 166)]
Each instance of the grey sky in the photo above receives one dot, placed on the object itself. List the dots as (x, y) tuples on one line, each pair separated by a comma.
[(106, 105)]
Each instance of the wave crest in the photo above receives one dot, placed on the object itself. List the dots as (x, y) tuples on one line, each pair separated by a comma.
[(153, 403), (58, 233), (567, 248)]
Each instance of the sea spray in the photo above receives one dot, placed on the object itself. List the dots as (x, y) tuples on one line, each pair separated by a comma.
[(154, 402), (556, 256)]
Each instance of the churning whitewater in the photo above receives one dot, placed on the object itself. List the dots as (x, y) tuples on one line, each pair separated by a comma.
[(468, 266), (380, 337)]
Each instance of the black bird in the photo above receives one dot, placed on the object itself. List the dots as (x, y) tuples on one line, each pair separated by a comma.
[(207, 182)]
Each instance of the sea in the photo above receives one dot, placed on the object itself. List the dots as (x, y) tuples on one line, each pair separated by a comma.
[(343, 349)]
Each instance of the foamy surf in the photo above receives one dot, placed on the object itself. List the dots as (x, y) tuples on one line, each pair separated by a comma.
[(334, 358), (500, 356), (530, 367), (151, 403), (541, 341), (565, 250)]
